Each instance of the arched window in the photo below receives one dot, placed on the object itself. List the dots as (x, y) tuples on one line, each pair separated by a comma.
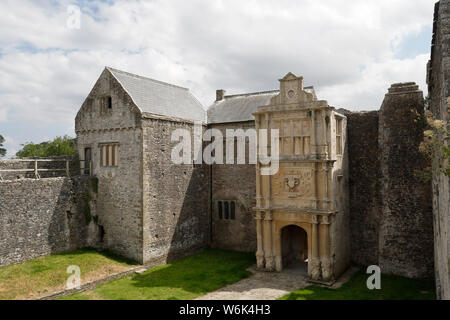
[(226, 209)]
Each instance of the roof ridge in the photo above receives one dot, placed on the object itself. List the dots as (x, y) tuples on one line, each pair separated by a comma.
[(251, 94), (146, 78)]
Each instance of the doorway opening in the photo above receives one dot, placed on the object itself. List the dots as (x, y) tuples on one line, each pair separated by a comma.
[(294, 247)]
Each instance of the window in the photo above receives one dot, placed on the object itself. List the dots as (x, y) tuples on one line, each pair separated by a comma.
[(109, 155), (226, 209), (339, 136), (233, 210), (219, 208), (105, 104)]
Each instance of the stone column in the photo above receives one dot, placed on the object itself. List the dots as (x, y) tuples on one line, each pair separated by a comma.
[(276, 240), (314, 261), (327, 272), (268, 241), (259, 240)]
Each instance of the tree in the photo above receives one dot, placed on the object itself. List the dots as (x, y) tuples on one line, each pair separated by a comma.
[(60, 146), (2, 150)]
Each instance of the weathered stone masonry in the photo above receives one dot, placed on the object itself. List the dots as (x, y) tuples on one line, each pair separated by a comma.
[(439, 90), (389, 204), (41, 217), (176, 219)]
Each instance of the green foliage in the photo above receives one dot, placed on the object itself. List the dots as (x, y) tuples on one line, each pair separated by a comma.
[(392, 288), (2, 150), (185, 279), (60, 146), (433, 146)]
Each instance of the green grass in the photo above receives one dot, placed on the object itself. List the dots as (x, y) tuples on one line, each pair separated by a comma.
[(184, 279), (42, 276), (392, 288)]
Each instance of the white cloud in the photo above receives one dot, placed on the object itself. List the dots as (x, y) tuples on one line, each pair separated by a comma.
[(342, 47)]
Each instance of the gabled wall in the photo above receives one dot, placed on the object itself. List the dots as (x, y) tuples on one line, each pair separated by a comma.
[(119, 198)]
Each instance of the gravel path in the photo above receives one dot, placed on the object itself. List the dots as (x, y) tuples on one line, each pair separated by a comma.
[(262, 285)]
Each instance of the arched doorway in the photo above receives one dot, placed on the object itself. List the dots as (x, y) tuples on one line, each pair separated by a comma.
[(294, 247)]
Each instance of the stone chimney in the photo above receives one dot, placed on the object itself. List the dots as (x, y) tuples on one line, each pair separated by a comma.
[(220, 95)]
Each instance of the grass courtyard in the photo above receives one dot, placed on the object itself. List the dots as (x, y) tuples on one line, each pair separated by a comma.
[(392, 288), (184, 279), (42, 276)]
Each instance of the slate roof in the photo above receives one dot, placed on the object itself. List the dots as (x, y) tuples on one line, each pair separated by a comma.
[(239, 108), (160, 98)]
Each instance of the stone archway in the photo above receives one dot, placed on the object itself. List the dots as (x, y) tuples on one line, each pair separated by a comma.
[(294, 246)]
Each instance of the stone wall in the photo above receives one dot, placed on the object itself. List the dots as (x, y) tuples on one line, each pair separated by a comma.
[(363, 153), (439, 91), (406, 225), (41, 217), (176, 219), (234, 182), (390, 206)]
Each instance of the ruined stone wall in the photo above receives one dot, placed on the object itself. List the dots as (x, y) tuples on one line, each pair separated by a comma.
[(390, 206), (363, 153), (176, 219), (41, 217), (439, 91), (406, 225), (234, 182)]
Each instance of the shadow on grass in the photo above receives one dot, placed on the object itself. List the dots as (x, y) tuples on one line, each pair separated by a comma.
[(184, 279), (106, 253), (392, 288)]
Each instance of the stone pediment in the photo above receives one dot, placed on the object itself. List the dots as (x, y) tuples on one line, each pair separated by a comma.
[(290, 76)]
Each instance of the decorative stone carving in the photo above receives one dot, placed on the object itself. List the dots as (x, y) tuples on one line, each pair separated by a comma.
[(291, 182), (301, 193)]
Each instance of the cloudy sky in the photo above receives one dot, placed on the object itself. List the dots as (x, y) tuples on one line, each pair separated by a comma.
[(350, 50)]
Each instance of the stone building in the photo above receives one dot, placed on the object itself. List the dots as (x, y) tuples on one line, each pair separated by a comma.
[(148, 209), (309, 211), (344, 190)]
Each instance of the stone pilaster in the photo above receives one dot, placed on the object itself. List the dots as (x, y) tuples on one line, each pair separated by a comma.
[(314, 261), (259, 239)]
